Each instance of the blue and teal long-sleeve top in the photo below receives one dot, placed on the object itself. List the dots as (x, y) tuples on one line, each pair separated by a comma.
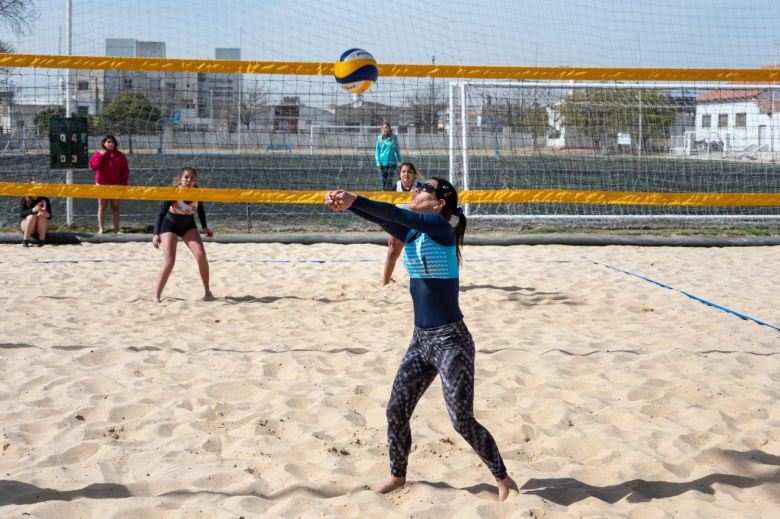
[(430, 256), (388, 153)]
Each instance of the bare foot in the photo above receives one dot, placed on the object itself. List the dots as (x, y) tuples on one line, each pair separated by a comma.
[(504, 487), (209, 296), (391, 484), (156, 300), (100, 230)]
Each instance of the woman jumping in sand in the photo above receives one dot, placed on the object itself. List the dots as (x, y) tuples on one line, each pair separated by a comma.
[(432, 231)]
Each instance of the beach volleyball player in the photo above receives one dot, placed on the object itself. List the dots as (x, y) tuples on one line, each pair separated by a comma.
[(432, 230)]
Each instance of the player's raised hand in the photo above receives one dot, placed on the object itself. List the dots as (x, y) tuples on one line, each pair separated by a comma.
[(340, 200)]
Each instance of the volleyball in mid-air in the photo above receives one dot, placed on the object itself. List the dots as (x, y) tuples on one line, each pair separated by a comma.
[(356, 71)]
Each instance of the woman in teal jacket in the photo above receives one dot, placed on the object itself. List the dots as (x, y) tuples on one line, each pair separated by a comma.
[(388, 155)]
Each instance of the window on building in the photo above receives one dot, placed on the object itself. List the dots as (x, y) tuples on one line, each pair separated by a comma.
[(83, 110), (741, 121), (723, 120), (706, 121), (127, 83), (83, 85)]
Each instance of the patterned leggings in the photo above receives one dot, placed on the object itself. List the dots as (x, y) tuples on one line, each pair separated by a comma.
[(449, 351)]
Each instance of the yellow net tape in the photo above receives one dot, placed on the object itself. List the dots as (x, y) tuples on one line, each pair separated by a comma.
[(270, 196), (389, 70)]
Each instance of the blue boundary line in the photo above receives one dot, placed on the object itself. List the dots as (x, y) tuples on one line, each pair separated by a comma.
[(695, 298)]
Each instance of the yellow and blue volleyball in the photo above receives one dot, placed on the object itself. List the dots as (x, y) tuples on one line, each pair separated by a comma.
[(356, 71)]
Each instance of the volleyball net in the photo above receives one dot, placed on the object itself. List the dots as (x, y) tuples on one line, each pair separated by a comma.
[(602, 147)]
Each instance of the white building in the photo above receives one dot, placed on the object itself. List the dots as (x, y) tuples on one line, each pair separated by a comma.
[(201, 101), (15, 118), (92, 90), (739, 121)]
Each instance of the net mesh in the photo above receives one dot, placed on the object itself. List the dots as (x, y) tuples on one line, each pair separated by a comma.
[(294, 131)]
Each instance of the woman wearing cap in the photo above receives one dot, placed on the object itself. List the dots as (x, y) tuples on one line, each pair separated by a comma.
[(432, 230)]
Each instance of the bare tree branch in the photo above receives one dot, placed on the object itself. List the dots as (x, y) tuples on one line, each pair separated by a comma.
[(17, 15)]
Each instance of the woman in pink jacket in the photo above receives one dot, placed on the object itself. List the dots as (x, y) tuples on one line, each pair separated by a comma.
[(111, 169)]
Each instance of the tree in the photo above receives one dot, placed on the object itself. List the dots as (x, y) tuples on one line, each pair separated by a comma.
[(16, 15), (532, 119), (130, 114), (425, 106), (255, 106), (42, 120), (520, 111), (603, 113)]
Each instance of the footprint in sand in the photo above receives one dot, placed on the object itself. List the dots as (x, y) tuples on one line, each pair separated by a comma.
[(77, 454), (231, 391)]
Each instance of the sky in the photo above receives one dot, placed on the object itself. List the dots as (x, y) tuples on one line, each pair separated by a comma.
[(600, 33), (570, 33)]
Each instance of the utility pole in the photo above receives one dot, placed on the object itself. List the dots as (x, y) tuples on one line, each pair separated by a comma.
[(69, 172), (772, 115), (240, 87), (433, 100), (639, 63)]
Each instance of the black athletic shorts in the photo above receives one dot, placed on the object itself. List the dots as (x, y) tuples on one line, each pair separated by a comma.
[(178, 223)]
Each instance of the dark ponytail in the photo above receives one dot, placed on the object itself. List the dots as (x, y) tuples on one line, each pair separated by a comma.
[(454, 214), (460, 230)]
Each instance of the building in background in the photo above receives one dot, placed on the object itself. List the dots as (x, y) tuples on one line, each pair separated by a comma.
[(196, 101), (738, 121), (219, 95), (92, 90)]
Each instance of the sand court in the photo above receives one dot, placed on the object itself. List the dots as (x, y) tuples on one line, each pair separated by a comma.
[(608, 395)]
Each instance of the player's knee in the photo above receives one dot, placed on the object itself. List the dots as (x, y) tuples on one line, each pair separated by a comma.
[(394, 412), (462, 423)]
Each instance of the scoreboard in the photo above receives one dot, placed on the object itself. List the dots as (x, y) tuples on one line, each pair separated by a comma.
[(68, 144)]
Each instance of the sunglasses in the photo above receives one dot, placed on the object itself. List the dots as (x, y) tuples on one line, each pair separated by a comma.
[(427, 188)]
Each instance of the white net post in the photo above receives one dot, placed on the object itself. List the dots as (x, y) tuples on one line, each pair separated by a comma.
[(464, 121)]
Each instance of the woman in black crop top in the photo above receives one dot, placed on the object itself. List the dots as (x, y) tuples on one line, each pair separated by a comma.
[(175, 219)]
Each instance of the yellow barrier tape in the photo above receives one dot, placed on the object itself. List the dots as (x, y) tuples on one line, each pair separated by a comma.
[(564, 196), (271, 196), (389, 70)]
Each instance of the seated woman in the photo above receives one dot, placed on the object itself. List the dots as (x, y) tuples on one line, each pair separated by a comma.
[(35, 212)]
